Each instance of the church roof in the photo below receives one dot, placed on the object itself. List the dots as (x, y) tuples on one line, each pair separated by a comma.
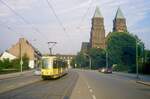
[(119, 14), (85, 45), (97, 13)]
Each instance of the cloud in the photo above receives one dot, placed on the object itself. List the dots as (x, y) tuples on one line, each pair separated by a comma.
[(70, 12)]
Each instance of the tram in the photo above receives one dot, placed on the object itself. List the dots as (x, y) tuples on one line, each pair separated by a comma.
[(53, 67)]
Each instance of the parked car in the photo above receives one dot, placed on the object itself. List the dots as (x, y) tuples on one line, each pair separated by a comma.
[(105, 70), (108, 70), (37, 72)]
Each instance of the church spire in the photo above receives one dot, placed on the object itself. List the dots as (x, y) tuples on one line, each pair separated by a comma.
[(97, 38), (119, 23), (119, 14), (97, 13)]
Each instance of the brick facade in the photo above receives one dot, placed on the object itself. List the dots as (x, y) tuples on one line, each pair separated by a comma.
[(22, 47), (97, 38), (119, 25), (97, 34)]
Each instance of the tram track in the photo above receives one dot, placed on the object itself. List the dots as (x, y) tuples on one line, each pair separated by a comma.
[(48, 89)]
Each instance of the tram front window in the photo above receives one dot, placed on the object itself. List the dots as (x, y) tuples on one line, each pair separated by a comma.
[(45, 64)]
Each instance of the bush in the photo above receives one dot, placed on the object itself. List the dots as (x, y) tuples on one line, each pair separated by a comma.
[(5, 64), (120, 68), (14, 64)]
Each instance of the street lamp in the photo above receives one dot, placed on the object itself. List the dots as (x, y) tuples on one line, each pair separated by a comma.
[(90, 60), (137, 65), (21, 61), (106, 59)]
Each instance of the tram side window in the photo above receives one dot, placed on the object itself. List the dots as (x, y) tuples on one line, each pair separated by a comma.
[(45, 63), (55, 64)]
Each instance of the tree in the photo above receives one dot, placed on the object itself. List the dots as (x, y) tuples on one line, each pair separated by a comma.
[(98, 57), (5, 64), (25, 62), (122, 50), (81, 60), (146, 65)]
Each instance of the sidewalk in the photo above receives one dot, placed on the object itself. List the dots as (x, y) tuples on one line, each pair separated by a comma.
[(143, 79), (15, 80), (13, 75)]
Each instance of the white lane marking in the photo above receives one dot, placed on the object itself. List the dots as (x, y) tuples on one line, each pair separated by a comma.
[(91, 90), (88, 87), (93, 96)]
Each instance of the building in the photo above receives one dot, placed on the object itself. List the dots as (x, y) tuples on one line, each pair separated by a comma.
[(67, 58), (23, 47), (119, 23), (97, 36), (7, 55), (85, 46)]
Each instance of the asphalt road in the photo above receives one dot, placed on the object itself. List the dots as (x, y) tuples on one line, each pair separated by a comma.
[(77, 84), (95, 85), (17, 81), (48, 89)]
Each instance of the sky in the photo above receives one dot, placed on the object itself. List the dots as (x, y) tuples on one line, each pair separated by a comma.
[(36, 21)]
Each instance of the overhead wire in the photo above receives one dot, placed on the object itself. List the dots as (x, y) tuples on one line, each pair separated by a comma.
[(57, 18), (20, 35), (85, 14), (11, 29), (21, 17), (25, 21)]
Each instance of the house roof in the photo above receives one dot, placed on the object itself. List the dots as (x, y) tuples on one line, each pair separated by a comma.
[(85, 45)]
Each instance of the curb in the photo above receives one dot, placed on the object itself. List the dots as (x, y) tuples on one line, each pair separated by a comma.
[(13, 75), (144, 83)]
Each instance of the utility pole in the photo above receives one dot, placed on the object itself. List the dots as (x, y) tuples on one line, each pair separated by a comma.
[(90, 60), (137, 67), (51, 45), (106, 59), (21, 61)]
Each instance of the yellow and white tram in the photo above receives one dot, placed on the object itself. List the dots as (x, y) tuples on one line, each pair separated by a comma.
[(53, 67)]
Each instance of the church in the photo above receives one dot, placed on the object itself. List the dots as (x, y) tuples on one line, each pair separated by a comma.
[(97, 34)]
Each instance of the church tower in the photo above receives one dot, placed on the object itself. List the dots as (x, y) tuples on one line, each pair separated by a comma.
[(97, 36), (119, 23)]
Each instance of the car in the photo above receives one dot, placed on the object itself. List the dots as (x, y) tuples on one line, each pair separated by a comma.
[(105, 70), (101, 69), (37, 72), (108, 70)]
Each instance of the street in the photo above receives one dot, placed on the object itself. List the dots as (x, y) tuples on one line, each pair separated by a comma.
[(108, 86), (77, 84), (48, 89)]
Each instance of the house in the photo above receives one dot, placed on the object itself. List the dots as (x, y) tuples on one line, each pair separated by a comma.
[(7, 55), (23, 47)]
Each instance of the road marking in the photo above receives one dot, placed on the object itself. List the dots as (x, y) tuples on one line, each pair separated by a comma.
[(93, 96), (91, 90)]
